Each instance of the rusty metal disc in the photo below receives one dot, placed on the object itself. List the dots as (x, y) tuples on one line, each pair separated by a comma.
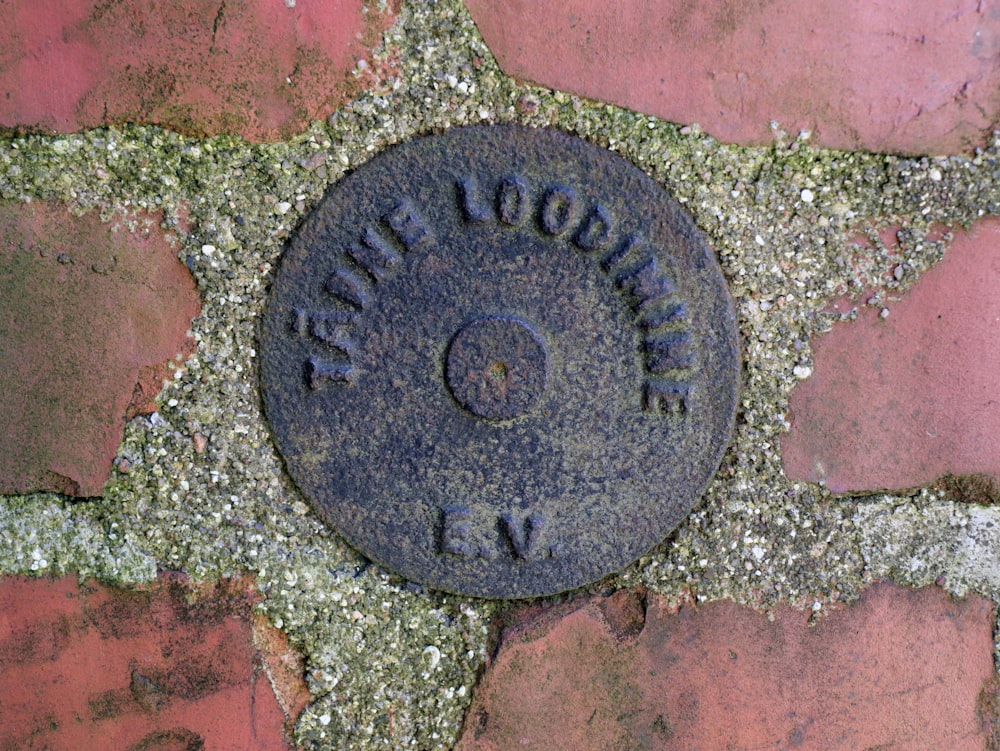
[(500, 361)]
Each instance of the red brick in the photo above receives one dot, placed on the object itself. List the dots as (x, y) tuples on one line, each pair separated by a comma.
[(285, 667), (885, 75), (88, 319), (900, 401), (901, 668), (163, 667), (257, 68)]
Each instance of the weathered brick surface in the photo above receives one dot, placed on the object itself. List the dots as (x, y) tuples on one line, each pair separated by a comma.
[(897, 402), (259, 68), (88, 319), (901, 668), (163, 667), (889, 75)]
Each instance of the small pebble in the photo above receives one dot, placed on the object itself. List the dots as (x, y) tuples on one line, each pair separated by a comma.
[(807, 195), (432, 655), (282, 207), (526, 105), (200, 442), (802, 371), (884, 313), (313, 161)]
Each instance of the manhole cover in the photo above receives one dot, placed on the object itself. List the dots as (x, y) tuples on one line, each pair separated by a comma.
[(501, 361)]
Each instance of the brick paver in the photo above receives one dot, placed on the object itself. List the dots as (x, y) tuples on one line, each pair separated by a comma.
[(901, 668), (164, 667), (260, 68), (91, 321), (889, 75), (898, 401)]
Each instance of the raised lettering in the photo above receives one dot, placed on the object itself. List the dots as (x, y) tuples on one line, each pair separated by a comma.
[(633, 266), (522, 534), (409, 229), (459, 534), (669, 351), (512, 200), (557, 210), (300, 322), (666, 397), (653, 318), (328, 327), (348, 287), (319, 372), (619, 254), (374, 254), (468, 197), (456, 532), (595, 231), (646, 284)]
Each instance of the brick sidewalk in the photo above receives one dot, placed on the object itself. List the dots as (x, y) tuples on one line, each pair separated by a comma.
[(834, 589)]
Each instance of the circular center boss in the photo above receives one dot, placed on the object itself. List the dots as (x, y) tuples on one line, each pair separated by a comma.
[(497, 367), (500, 361)]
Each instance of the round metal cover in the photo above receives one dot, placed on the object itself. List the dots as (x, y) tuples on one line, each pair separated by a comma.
[(500, 361)]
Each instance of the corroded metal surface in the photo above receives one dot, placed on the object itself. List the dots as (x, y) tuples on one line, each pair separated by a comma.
[(501, 361)]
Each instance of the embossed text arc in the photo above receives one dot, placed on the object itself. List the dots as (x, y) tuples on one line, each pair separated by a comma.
[(501, 361)]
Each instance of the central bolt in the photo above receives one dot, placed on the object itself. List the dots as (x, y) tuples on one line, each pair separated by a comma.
[(497, 371), (497, 367)]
